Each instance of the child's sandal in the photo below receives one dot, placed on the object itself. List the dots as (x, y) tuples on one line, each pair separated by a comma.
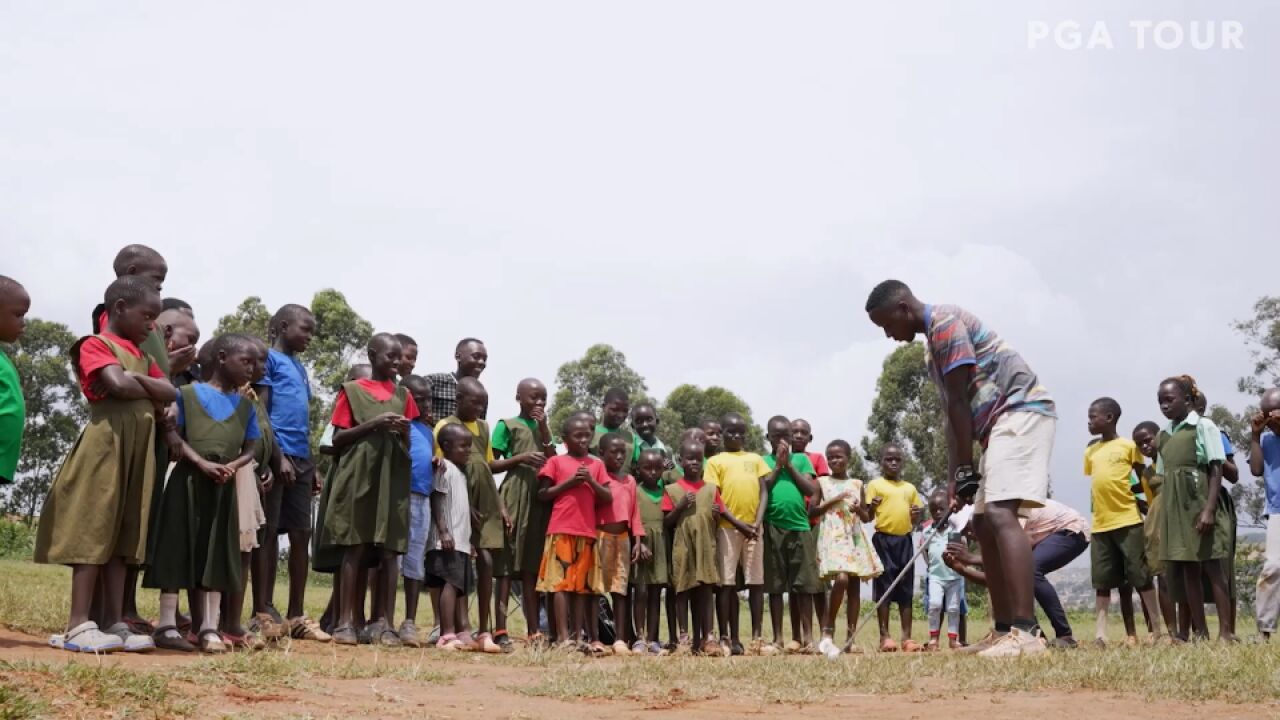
[(211, 642), (597, 649)]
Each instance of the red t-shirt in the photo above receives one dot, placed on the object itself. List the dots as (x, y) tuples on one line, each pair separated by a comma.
[(574, 512), (380, 391), (624, 507), (95, 355), (820, 467), (692, 488)]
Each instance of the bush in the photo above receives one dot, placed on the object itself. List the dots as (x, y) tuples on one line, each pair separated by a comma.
[(17, 539)]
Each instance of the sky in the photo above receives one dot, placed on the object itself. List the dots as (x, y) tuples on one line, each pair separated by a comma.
[(711, 187)]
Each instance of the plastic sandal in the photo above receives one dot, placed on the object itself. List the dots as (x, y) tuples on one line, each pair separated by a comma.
[(133, 642), (211, 642), (345, 635), (87, 638), (176, 642)]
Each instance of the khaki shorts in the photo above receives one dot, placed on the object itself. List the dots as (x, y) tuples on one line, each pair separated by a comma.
[(734, 551), (613, 562), (1015, 465)]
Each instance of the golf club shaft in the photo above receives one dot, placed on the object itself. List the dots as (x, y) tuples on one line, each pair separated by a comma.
[(888, 593)]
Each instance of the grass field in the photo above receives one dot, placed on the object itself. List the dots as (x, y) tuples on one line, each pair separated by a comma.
[(33, 600)]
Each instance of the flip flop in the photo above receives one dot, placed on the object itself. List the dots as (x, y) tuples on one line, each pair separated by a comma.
[(911, 646), (888, 645), (597, 649), (171, 642)]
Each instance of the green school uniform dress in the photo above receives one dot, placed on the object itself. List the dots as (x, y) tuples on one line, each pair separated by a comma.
[(482, 490), (266, 446), (1151, 529), (1186, 485), (368, 502), (658, 570), (100, 502), (325, 556), (13, 416), (693, 545), (197, 543), (519, 490)]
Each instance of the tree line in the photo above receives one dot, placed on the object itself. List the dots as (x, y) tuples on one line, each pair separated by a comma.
[(906, 409)]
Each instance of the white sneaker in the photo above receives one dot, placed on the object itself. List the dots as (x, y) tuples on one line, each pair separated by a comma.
[(828, 648), (1015, 644), (132, 641)]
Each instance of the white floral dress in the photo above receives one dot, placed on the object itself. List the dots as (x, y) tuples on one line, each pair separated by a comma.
[(844, 545)]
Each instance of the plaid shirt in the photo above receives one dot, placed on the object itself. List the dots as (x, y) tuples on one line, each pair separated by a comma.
[(444, 395)]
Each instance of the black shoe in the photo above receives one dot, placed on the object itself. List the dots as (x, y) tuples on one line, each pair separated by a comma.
[(737, 649), (1064, 643), (504, 642)]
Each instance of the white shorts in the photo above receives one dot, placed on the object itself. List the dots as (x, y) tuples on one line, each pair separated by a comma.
[(733, 551), (411, 563), (1015, 465)]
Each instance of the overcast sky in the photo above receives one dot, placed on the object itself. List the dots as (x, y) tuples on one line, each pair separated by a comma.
[(711, 187)]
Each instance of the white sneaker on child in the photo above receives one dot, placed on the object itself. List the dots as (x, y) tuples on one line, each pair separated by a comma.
[(828, 648)]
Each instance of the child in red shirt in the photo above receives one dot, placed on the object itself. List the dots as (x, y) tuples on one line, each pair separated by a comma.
[(96, 515), (618, 544), (575, 484)]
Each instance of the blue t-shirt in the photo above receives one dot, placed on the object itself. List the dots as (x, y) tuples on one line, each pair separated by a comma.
[(289, 403), (220, 406), (1271, 470), (422, 447)]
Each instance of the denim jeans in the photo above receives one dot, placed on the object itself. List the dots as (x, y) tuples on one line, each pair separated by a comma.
[(1051, 554)]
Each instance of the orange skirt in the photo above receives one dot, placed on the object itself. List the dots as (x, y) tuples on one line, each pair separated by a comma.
[(567, 565)]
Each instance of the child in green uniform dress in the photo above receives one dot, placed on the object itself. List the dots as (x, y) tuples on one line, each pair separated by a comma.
[(650, 575), (613, 413), (521, 446), (96, 515), (198, 546), (1144, 436), (1189, 457), (368, 509), (693, 510), (14, 304), (489, 519)]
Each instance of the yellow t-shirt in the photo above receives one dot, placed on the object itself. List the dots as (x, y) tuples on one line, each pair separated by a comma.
[(1110, 464), (893, 517), (737, 474), (474, 427)]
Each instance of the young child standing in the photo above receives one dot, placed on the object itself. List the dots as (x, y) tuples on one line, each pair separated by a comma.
[(613, 413), (845, 554), (96, 515), (448, 564), (619, 542), (801, 436), (946, 586), (287, 395), (521, 446), (644, 420), (1189, 456), (368, 512), (489, 519), (790, 545), (422, 448), (895, 503), (198, 547), (692, 509), (1264, 462), (650, 573), (1118, 549), (740, 475), (14, 304), (1144, 437), (574, 484)]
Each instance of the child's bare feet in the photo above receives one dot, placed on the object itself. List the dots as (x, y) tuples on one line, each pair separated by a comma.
[(911, 646)]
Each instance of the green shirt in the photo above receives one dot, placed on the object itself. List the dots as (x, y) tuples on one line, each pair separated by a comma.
[(627, 434), (1208, 440), (13, 415), (502, 435), (786, 509)]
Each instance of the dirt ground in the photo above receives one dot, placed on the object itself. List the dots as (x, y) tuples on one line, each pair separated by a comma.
[(480, 689)]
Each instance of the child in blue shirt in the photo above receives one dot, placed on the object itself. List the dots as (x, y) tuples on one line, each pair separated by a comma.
[(421, 455)]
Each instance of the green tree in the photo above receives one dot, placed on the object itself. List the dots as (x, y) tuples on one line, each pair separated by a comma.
[(581, 384), (1262, 336), (689, 404), (250, 318), (341, 335), (907, 410), (55, 412)]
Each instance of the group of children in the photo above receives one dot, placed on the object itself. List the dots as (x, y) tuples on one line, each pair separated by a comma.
[(193, 462)]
